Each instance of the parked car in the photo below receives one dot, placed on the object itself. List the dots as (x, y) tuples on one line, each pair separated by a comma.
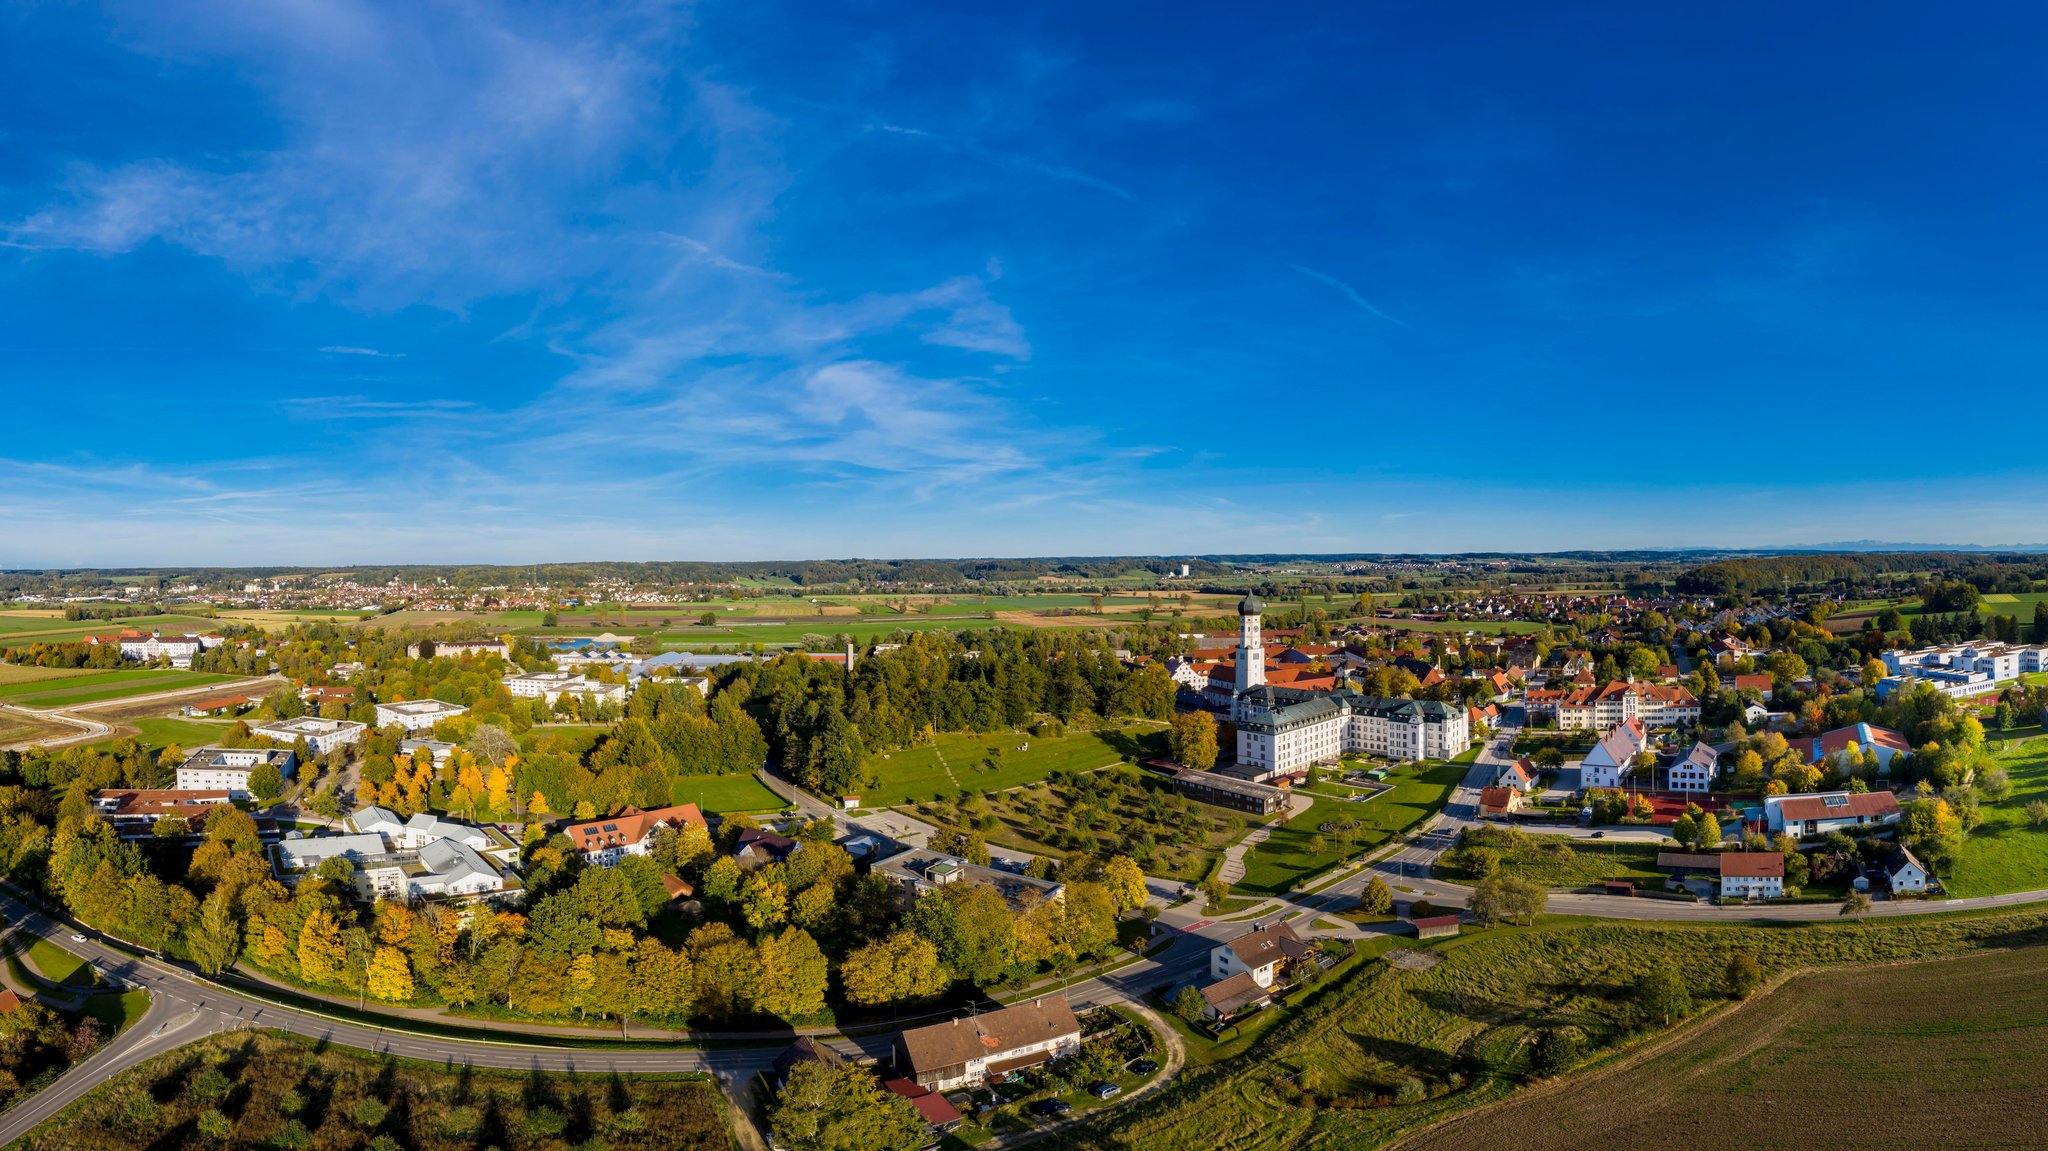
[(1144, 1066), (1104, 1090), (1051, 1107), (1598, 835)]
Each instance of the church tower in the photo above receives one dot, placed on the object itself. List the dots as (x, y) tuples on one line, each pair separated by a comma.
[(1251, 648)]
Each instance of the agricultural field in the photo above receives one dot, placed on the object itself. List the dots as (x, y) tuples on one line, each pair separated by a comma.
[(968, 761), (1287, 857), (1966, 1066), (724, 794), (1449, 1037), (2007, 852), (17, 728), (103, 686), (1556, 860), (260, 1089), (20, 630), (11, 673)]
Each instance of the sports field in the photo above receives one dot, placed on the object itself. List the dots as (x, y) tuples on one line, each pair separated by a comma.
[(101, 686), (958, 761), (723, 794), (1806, 1066)]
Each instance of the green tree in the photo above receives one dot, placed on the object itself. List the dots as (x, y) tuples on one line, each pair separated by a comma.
[(1377, 900), (825, 1108), (903, 967), (1664, 996), (1507, 899), (1707, 833), (1744, 975), (1126, 883), (1685, 830), (1191, 739), (216, 936), (793, 973), (1189, 1004), (266, 784)]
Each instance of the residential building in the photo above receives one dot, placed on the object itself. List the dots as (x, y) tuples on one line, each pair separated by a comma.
[(1227, 998), (1761, 683), (444, 868), (938, 1114), (919, 871), (1811, 816), (306, 852), (425, 827), (1498, 802), (553, 685), (1729, 649), (417, 714), (1264, 953), (133, 812), (228, 768), (438, 749), (1904, 871), (1520, 775), (1614, 757), (1752, 874), (1697, 771), (758, 847), (321, 735), (976, 1049), (604, 842)]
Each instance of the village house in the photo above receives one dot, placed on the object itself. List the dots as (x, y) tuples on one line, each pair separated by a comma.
[(1904, 872), (1752, 874), (920, 870), (758, 847), (1880, 742), (604, 842), (1696, 771), (1822, 813), (1520, 775), (1614, 756), (973, 1050), (1226, 999), (1264, 953), (1498, 802)]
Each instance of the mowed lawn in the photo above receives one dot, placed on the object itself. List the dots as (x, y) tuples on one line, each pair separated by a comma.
[(1804, 1065), (157, 732), (2007, 852), (955, 761), (103, 686), (725, 794), (1285, 858)]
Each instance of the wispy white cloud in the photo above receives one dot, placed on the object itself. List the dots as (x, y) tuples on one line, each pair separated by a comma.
[(1350, 293), (346, 350)]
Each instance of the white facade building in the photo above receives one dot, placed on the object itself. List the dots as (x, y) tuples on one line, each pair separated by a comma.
[(228, 768), (417, 714), (321, 735), (553, 685)]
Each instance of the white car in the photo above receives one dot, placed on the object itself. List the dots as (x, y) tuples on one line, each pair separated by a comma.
[(77, 938)]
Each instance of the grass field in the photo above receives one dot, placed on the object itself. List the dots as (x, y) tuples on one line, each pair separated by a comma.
[(58, 965), (116, 1013), (2007, 852), (12, 673), (157, 732), (103, 686), (271, 1090), (1462, 1029), (726, 793), (954, 761), (1558, 861), (1285, 858), (1968, 1066)]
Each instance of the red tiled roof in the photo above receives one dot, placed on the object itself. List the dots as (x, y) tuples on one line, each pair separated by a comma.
[(1752, 865), (630, 826)]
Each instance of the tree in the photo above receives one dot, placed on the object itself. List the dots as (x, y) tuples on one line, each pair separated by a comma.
[(2037, 812), (1663, 995), (825, 1108), (1377, 900), (1126, 883), (1189, 1004), (1191, 739), (265, 783), (1508, 899), (216, 936), (1744, 975), (390, 977), (321, 957), (1707, 832), (1685, 830), (1215, 890), (792, 975), (1856, 904), (903, 967), (1482, 862), (492, 744)]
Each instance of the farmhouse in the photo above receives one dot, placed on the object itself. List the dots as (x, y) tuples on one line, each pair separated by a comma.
[(1614, 756), (1264, 953), (1498, 802), (416, 714), (1811, 816), (1752, 875), (972, 1050), (228, 768), (321, 735), (604, 842)]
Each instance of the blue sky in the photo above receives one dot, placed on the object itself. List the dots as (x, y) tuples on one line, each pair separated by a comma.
[(328, 281)]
